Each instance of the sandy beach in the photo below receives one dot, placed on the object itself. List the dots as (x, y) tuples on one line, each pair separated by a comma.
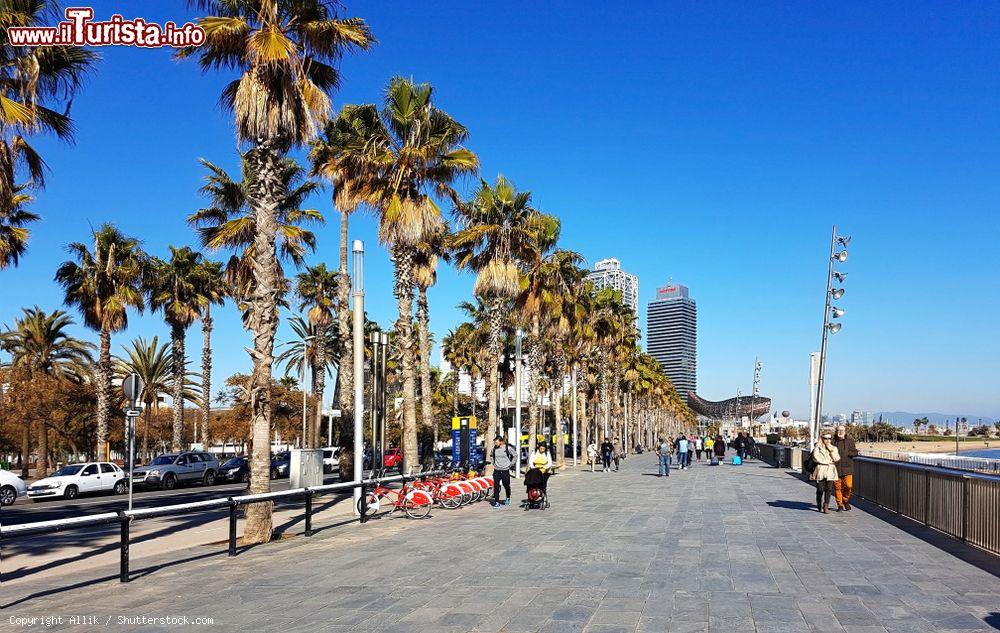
[(942, 446)]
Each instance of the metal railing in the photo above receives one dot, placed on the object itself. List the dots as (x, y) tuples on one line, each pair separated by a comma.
[(978, 464), (777, 455), (125, 517), (965, 505)]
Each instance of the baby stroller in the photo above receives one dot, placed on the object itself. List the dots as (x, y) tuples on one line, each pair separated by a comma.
[(536, 482)]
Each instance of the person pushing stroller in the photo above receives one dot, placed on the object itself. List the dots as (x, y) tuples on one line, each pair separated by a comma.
[(536, 480)]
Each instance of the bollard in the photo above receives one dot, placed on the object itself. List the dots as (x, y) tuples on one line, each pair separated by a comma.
[(232, 527), (123, 575), (309, 513), (363, 505)]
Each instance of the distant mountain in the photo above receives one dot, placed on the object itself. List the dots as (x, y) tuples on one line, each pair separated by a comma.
[(905, 418)]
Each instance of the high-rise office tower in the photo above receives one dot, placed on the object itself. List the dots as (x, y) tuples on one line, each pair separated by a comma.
[(608, 273), (672, 336)]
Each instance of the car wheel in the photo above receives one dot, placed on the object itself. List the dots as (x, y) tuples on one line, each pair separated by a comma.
[(8, 496), (169, 482), (210, 478), (245, 478), (121, 487), (71, 492)]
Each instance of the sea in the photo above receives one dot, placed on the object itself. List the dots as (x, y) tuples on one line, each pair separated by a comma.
[(993, 453)]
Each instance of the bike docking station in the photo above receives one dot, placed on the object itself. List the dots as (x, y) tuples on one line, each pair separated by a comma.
[(464, 434), (305, 467)]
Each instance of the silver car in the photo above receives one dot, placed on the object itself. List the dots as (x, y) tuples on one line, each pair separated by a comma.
[(169, 470)]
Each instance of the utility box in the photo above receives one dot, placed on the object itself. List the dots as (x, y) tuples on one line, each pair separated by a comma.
[(305, 467)]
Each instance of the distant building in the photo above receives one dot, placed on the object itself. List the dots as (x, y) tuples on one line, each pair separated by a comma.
[(672, 336), (608, 273)]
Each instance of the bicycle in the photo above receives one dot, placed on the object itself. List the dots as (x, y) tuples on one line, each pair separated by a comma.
[(414, 502)]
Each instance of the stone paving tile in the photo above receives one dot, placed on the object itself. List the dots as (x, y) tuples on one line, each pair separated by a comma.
[(710, 549)]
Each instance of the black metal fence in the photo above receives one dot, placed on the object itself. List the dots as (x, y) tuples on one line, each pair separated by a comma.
[(962, 504), (776, 455), (125, 518)]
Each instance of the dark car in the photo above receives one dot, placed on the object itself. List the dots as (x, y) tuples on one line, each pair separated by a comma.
[(280, 465), (236, 469), (169, 470)]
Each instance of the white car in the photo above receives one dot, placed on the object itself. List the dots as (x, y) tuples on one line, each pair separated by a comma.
[(11, 487), (71, 481), (331, 459)]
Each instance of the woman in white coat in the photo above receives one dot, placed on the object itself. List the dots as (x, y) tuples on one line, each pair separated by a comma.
[(825, 455)]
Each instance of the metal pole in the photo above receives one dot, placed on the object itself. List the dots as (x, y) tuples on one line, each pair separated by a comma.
[(384, 344), (374, 339), (304, 405), (359, 366), (814, 431), (517, 398), (131, 456), (575, 440)]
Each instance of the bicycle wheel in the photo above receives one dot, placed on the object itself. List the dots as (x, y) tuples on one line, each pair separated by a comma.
[(417, 508), (372, 504)]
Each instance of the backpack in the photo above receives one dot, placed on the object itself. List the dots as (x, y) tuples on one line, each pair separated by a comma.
[(809, 465), (736, 460)]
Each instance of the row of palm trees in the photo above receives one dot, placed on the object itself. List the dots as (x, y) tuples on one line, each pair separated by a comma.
[(401, 161)]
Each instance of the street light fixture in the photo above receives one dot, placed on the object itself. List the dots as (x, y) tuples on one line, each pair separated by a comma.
[(834, 327), (828, 327), (837, 293), (836, 312), (844, 240), (839, 276), (841, 256)]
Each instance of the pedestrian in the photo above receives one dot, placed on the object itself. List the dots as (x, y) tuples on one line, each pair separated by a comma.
[(739, 444), (617, 454), (682, 446), (698, 446), (708, 443), (751, 447), (592, 455), (844, 484), (826, 455), (663, 453), (607, 450), (503, 460), (719, 446)]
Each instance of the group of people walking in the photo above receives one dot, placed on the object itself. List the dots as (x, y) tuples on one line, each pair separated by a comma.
[(607, 453), (683, 447), (832, 469)]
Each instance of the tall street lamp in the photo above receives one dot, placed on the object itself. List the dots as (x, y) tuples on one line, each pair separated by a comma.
[(517, 401), (358, 258), (829, 327)]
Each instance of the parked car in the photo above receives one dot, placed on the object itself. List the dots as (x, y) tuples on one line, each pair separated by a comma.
[(236, 469), (280, 465), (169, 470), (393, 457), (331, 459), (69, 482), (11, 487)]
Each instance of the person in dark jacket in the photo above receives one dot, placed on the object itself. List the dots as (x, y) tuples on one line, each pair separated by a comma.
[(844, 484), (720, 448)]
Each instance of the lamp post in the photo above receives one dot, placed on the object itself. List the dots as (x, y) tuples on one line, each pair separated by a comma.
[(358, 256), (829, 312), (517, 403), (305, 344), (574, 416)]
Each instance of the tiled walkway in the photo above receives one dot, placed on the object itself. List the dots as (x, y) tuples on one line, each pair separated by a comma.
[(726, 549)]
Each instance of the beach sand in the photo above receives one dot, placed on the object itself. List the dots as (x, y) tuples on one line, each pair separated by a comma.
[(942, 446)]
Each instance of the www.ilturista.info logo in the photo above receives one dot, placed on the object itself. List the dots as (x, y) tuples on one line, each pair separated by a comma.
[(79, 29)]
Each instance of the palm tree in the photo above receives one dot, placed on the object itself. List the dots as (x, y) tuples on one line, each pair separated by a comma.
[(284, 52), (14, 233), (35, 83), (40, 347), (174, 287), (418, 156), (317, 288), (154, 365), (214, 290), (497, 231), (425, 260), (317, 346), (103, 284)]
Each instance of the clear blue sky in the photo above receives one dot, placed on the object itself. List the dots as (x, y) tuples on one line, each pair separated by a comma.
[(709, 143)]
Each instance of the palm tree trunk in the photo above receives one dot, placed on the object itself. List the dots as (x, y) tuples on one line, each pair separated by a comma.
[(145, 431), (496, 343), (25, 447), (206, 372), (177, 351), (424, 333), (42, 466), (265, 194), (318, 387), (557, 389), (535, 367), (404, 339), (345, 375), (103, 395)]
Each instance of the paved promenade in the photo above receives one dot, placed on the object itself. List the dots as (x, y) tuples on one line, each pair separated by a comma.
[(726, 549)]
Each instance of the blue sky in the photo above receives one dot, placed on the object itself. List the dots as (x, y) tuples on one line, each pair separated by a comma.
[(712, 144)]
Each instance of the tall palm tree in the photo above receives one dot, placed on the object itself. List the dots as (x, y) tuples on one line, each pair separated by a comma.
[(284, 53), (315, 348), (14, 234), (174, 287), (418, 157), (425, 260), (36, 82), (214, 290), (347, 155), (104, 283), (497, 230), (39, 346), (317, 289)]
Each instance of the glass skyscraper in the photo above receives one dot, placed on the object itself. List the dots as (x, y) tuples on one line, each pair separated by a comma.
[(672, 336)]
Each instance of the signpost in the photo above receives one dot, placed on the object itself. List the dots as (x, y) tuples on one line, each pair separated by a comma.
[(132, 386)]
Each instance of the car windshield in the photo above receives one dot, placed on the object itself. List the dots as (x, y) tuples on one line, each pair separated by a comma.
[(67, 471), (163, 460), (235, 462)]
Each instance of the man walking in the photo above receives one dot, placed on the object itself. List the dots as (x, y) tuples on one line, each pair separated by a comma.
[(663, 452), (607, 450), (844, 484), (682, 445), (503, 460)]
